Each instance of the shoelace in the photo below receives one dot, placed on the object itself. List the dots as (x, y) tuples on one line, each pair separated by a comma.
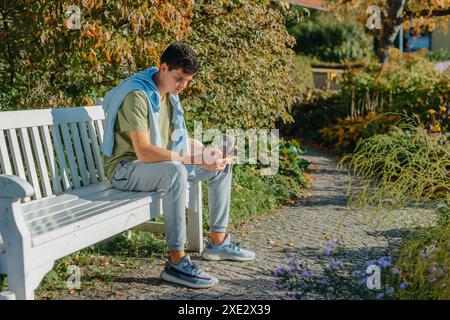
[(235, 246), (193, 268)]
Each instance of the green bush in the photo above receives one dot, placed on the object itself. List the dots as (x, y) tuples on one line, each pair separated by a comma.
[(408, 84), (243, 47), (302, 76), (317, 109), (327, 39), (439, 55), (246, 60)]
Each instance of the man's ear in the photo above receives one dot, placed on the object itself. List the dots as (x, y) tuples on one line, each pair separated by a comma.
[(164, 67)]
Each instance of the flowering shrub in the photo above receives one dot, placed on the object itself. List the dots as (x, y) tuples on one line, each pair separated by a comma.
[(420, 271), (344, 136), (439, 120), (423, 264), (410, 83), (335, 280)]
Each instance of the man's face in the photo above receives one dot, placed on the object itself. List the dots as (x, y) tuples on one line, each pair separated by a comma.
[(175, 80)]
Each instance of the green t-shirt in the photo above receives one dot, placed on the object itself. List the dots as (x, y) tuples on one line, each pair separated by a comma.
[(133, 116)]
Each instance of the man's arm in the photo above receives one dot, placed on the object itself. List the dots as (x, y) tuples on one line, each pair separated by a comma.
[(196, 146), (146, 152)]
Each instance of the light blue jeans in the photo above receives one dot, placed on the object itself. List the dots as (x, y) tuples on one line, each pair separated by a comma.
[(173, 178)]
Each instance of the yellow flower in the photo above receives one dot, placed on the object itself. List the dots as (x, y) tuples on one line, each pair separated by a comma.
[(443, 108), (333, 75), (431, 111), (436, 128)]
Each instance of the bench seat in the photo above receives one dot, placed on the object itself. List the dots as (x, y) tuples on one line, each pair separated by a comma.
[(53, 217)]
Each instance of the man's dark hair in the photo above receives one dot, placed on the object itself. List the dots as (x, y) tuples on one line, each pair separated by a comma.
[(180, 55)]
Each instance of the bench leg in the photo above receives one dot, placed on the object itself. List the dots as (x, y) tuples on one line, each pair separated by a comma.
[(17, 279), (195, 218), (17, 246)]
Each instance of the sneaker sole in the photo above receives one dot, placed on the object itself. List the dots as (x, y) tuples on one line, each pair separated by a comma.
[(224, 256), (173, 279)]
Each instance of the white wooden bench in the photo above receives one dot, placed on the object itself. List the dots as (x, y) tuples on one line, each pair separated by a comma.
[(55, 198)]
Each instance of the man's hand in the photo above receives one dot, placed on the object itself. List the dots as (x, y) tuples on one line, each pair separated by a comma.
[(218, 163), (215, 152)]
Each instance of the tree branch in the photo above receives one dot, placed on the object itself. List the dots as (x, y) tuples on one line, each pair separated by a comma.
[(426, 13)]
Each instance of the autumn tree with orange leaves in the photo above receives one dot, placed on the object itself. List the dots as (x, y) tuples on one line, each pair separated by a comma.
[(40, 50)]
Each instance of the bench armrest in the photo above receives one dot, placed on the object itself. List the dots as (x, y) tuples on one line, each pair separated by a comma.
[(13, 187)]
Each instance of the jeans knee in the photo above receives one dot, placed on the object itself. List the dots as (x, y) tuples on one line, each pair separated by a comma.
[(179, 172)]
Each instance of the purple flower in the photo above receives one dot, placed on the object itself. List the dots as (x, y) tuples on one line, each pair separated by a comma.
[(330, 245), (404, 285), (334, 241), (389, 291), (292, 262), (442, 66), (384, 262), (307, 274), (362, 282), (380, 296), (371, 262), (280, 271), (396, 272), (428, 250), (334, 265), (292, 295)]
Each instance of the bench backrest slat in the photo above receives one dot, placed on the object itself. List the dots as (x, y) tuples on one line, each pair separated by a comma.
[(70, 155), (88, 152), (63, 152), (51, 161), (32, 173), (79, 153), (98, 158), (5, 163), (16, 155), (39, 152)]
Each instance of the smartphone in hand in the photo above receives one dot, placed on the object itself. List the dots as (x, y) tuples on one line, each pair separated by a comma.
[(228, 149)]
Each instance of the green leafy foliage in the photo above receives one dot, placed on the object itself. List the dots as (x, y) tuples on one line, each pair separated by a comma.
[(330, 40), (244, 81)]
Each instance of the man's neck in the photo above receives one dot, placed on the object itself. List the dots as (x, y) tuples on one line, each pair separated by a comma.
[(157, 81)]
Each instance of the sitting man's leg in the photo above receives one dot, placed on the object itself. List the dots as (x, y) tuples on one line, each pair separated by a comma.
[(220, 246), (172, 178)]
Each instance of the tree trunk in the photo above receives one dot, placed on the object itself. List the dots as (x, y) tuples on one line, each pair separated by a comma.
[(391, 25)]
